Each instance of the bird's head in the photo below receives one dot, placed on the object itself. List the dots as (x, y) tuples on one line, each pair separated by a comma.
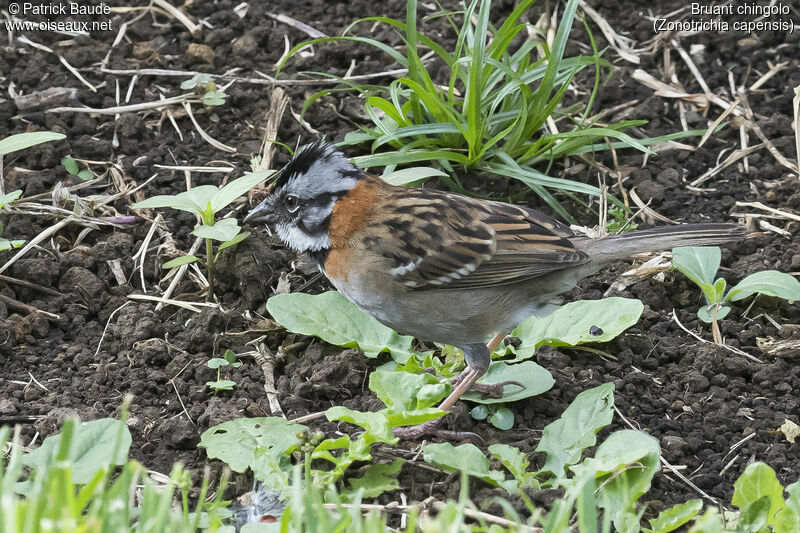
[(303, 195)]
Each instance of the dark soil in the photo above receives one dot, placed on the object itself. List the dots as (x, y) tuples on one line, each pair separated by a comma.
[(712, 410)]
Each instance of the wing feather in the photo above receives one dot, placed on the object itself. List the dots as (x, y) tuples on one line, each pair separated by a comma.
[(461, 242)]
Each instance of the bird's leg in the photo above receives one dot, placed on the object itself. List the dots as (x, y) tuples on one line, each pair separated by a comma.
[(478, 358), (494, 390)]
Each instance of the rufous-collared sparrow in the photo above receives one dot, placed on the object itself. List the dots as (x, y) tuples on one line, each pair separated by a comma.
[(441, 266)]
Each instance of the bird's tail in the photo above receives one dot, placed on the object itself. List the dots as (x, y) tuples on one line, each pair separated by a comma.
[(661, 238)]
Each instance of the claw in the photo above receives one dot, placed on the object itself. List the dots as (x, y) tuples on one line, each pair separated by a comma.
[(431, 429), (492, 390), (512, 382)]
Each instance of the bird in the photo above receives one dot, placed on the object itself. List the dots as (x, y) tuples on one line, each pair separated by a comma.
[(441, 266)]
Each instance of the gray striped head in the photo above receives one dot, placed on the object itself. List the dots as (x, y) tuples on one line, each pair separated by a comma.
[(304, 193)]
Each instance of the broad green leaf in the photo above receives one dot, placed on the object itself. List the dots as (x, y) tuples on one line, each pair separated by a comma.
[(222, 384), (200, 197), (377, 479), (164, 200), (332, 318), (70, 165), (515, 462), (230, 357), (236, 188), (95, 445), (342, 443), (430, 394), (217, 362), (635, 450), (578, 323), (9, 197), (786, 521), (586, 505), (271, 468), (699, 264), (706, 313), (239, 237), (565, 439), (710, 522), (412, 418), (534, 378), (768, 282), (719, 289), (467, 458), (674, 517), (409, 398), (235, 441), (195, 200), (479, 412), (754, 517), (194, 81), (410, 175), (223, 230), (758, 481), (422, 361), (624, 466), (502, 419), (793, 501), (182, 260), (214, 98), (5, 244), (352, 450), (400, 391), (20, 141), (85, 174), (376, 424)]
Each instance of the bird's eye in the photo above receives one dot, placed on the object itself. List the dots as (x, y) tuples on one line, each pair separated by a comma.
[(292, 203)]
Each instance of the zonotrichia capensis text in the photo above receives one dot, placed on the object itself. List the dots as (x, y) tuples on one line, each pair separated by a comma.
[(440, 266)]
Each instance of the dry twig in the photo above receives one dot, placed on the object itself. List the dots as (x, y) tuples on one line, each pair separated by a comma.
[(266, 360), (208, 138), (179, 15)]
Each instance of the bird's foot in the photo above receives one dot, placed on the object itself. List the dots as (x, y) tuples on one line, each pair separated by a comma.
[(431, 429), (492, 390)]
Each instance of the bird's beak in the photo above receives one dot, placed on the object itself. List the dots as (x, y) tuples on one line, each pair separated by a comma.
[(263, 212)]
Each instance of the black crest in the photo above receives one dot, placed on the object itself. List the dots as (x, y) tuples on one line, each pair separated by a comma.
[(303, 159)]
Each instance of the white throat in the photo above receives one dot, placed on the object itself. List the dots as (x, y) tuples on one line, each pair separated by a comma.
[(297, 239)]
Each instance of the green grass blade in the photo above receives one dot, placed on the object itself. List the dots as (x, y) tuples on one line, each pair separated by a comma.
[(412, 156), (556, 54), (410, 131), (507, 31), (596, 87), (425, 40), (530, 175), (415, 66), (474, 90), (650, 141), (20, 141), (392, 111), (394, 54)]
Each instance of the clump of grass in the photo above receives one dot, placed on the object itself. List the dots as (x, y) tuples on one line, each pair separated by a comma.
[(497, 112), (83, 480)]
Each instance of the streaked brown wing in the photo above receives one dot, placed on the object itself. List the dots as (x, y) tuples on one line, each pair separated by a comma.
[(455, 242)]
